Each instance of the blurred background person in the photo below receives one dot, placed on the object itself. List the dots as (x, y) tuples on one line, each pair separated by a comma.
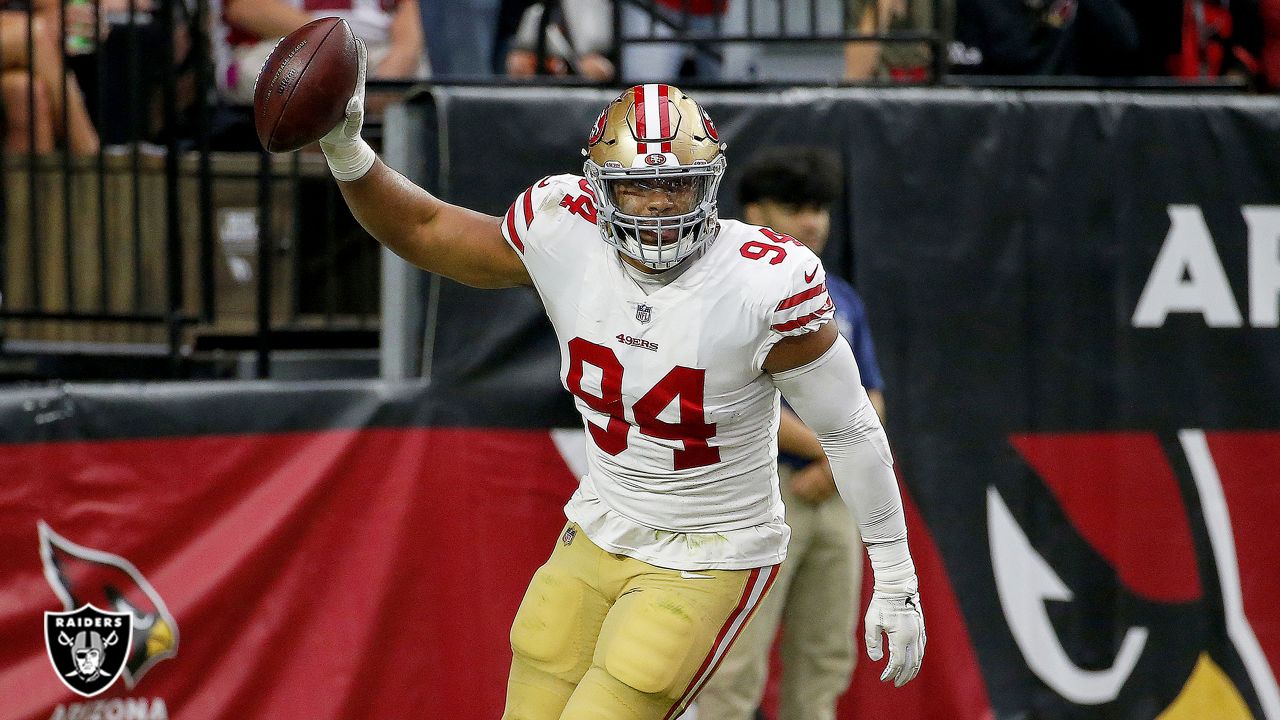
[(815, 599), (390, 29), (892, 61), (32, 82), (1221, 39), (1270, 12), (573, 37), (460, 36), (1050, 37), (662, 61)]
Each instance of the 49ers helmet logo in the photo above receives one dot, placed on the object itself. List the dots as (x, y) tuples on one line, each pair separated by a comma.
[(709, 126), (597, 130)]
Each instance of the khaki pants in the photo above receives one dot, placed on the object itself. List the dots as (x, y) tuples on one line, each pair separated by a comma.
[(600, 636), (816, 601)]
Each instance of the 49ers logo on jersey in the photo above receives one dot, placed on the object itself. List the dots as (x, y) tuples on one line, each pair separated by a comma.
[(637, 342)]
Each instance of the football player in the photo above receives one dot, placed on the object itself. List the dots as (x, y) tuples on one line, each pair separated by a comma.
[(677, 331)]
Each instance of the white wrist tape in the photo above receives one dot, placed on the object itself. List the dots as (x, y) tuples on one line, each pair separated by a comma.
[(349, 162), (828, 396)]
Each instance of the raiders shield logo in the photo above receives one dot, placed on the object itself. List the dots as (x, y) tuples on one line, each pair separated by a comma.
[(82, 576), (644, 313), (88, 647)]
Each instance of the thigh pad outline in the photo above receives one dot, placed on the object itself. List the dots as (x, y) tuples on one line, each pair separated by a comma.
[(652, 642), (549, 621)]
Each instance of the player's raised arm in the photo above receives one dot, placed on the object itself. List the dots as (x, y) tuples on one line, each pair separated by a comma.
[(434, 235), (819, 378)]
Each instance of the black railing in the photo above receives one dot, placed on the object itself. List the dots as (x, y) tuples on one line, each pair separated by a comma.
[(119, 242)]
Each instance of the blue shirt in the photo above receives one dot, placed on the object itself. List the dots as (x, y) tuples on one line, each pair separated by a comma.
[(851, 321)]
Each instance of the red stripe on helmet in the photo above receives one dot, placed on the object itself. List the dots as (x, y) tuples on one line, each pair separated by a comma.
[(641, 130), (664, 112)]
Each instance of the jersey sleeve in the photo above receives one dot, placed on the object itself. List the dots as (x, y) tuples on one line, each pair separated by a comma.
[(797, 302), (535, 220), (518, 221)]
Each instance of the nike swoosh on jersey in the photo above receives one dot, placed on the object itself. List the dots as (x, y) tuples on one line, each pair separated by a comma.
[(695, 576), (809, 276)]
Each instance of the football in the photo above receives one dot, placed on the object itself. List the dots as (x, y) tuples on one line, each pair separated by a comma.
[(303, 88)]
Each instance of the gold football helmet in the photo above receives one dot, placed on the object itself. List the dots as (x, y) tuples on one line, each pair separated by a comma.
[(655, 138)]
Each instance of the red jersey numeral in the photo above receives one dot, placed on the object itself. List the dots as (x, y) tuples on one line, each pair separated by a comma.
[(613, 437), (780, 238), (755, 250), (581, 205), (687, 384)]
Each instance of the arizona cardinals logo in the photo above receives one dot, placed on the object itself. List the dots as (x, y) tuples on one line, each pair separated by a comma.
[(1129, 524), (83, 576)]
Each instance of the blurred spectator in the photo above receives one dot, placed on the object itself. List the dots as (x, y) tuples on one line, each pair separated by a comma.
[(661, 61), (122, 72), (460, 36), (510, 13), (1047, 37), (32, 83), (573, 37), (895, 61), (1270, 12), (1220, 39), (389, 28)]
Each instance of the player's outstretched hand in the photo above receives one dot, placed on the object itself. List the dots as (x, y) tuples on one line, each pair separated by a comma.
[(347, 132), (348, 155), (901, 619)]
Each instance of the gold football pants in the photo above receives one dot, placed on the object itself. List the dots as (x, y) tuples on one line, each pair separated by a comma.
[(601, 636)]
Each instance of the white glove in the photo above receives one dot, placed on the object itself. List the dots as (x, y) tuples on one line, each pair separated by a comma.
[(349, 156), (903, 621)]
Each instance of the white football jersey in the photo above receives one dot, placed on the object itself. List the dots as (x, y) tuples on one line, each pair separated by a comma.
[(681, 420)]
